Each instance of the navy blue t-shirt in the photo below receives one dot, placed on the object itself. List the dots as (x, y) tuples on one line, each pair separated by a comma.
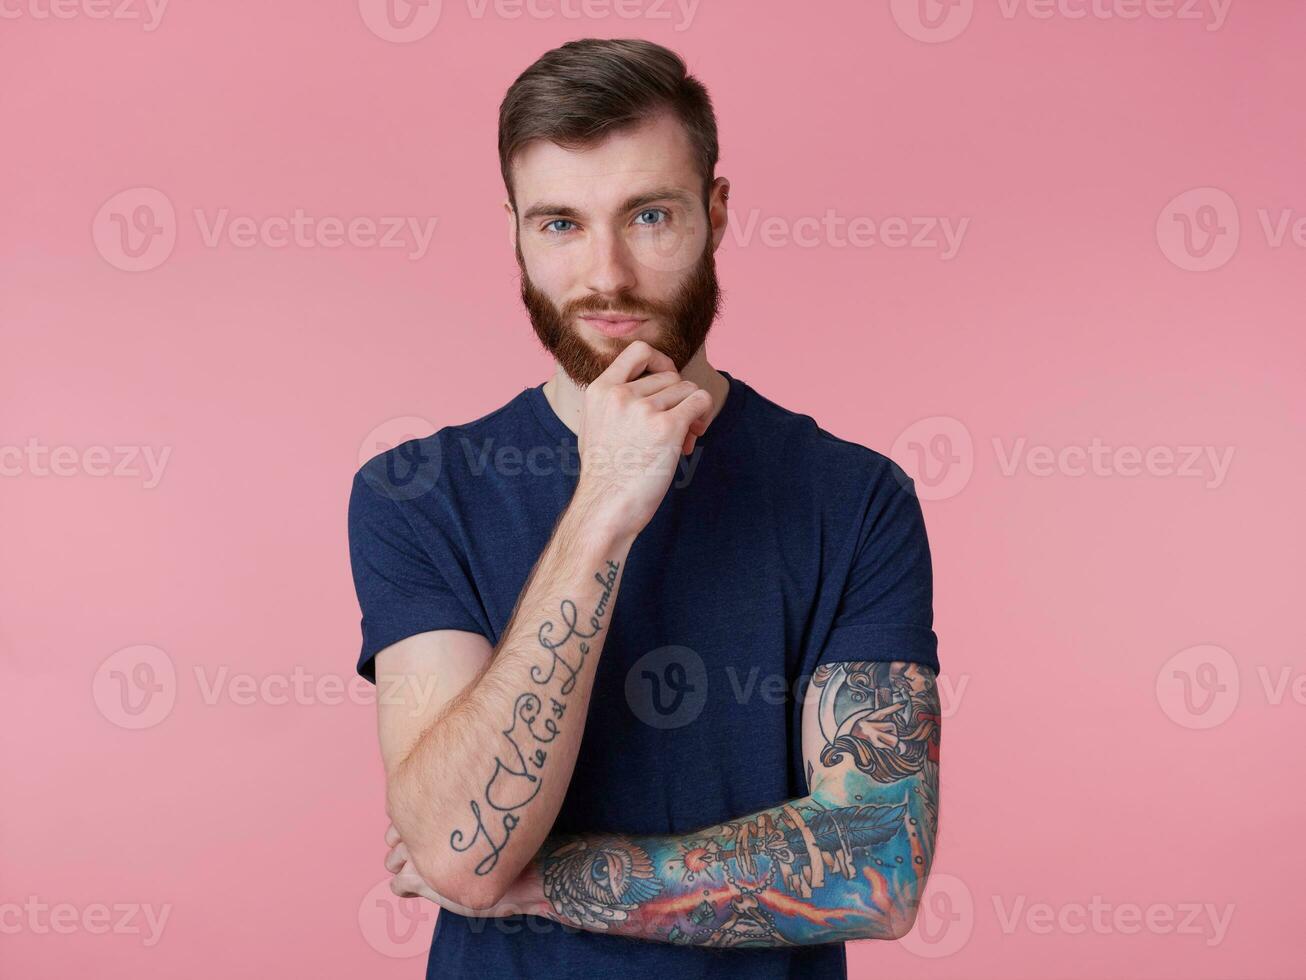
[(777, 547)]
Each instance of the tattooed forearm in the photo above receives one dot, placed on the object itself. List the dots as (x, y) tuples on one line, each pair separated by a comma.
[(517, 771), (846, 862)]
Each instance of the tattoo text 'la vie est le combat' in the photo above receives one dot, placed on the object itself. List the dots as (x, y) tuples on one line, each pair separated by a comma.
[(516, 780)]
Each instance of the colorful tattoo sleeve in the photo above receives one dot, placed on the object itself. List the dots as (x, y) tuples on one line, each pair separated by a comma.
[(847, 861)]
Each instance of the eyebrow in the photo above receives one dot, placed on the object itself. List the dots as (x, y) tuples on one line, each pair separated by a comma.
[(630, 204)]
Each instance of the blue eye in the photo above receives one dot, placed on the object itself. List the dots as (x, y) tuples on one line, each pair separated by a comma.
[(654, 211), (557, 221)]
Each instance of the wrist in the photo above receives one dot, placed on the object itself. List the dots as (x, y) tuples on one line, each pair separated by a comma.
[(594, 520), (526, 896)]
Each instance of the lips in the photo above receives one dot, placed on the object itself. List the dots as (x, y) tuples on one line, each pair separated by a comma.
[(614, 327)]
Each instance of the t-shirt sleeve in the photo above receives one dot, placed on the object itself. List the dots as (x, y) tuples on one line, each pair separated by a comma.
[(886, 611), (406, 583)]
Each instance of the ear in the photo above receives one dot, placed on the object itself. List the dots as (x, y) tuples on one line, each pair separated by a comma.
[(512, 223), (717, 212)]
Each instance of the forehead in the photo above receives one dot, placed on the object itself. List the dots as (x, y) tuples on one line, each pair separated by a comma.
[(656, 153)]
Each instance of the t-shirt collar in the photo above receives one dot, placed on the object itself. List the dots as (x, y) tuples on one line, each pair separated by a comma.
[(730, 410)]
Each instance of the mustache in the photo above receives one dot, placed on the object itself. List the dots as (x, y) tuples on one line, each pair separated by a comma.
[(627, 306)]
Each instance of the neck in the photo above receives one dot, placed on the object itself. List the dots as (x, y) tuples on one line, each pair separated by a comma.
[(567, 398)]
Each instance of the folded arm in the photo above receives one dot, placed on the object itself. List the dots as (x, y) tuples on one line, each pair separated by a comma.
[(478, 762), (847, 861), (475, 780)]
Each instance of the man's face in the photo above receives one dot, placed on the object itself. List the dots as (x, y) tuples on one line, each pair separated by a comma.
[(618, 245)]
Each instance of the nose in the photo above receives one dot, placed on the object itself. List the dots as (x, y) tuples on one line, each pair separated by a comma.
[(612, 267)]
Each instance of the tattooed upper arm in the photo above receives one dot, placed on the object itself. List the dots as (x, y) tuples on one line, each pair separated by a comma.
[(871, 736)]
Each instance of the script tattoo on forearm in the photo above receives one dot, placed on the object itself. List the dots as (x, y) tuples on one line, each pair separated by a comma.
[(845, 863), (517, 774)]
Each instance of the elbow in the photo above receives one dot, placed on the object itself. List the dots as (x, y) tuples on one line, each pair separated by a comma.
[(896, 922), (900, 925), (904, 918), (479, 896), (450, 875), (463, 888)]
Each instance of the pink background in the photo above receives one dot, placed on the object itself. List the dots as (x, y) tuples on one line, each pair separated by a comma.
[(1091, 755)]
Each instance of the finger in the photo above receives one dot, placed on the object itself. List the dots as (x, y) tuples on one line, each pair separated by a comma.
[(637, 358), (695, 406), (402, 887), (396, 858), (391, 836), (673, 395), (702, 422), (412, 885), (650, 383)]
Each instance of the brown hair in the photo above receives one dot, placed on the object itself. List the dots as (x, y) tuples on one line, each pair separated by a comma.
[(579, 93)]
